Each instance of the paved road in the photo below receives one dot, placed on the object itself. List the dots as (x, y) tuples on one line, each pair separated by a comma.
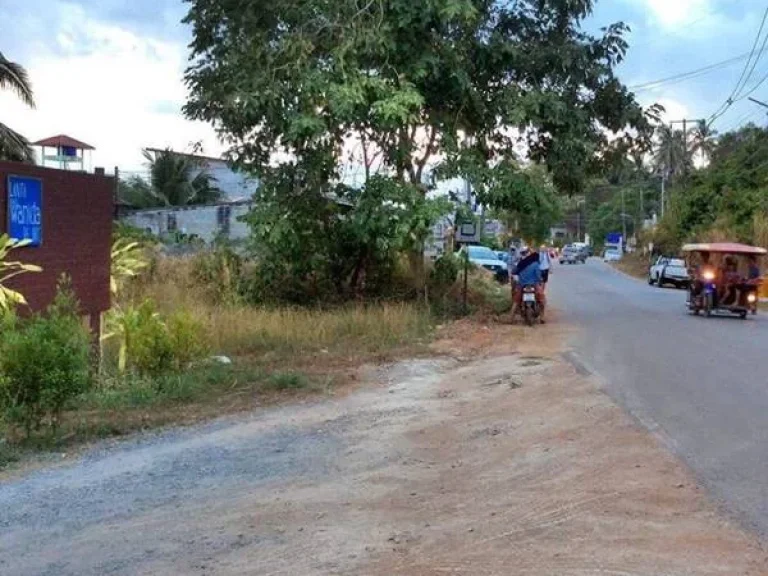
[(701, 384)]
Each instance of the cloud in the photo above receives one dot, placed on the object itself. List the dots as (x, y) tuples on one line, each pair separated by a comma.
[(107, 85), (670, 13)]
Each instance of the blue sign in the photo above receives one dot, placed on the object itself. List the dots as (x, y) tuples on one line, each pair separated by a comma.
[(25, 209), (613, 238)]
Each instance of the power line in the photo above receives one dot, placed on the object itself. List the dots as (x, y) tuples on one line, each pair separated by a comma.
[(690, 74), (744, 76), (739, 84)]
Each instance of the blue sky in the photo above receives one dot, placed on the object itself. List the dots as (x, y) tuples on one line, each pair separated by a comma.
[(109, 71)]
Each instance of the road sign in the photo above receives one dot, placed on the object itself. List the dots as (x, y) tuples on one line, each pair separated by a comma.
[(25, 209)]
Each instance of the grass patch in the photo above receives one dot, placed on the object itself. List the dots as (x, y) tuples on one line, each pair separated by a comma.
[(634, 264), (9, 454), (288, 381), (237, 329)]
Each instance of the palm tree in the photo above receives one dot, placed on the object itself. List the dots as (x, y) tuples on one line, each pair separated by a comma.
[(704, 140), (13, 146), (179, 180), (670, 156)]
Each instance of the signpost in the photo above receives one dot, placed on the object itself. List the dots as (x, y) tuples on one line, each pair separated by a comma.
[(25, 209)]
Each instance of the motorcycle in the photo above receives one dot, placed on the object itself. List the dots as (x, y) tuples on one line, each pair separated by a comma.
[(531, 310)]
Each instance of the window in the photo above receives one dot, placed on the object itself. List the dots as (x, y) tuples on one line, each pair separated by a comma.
[(173, 225), (223, 219)]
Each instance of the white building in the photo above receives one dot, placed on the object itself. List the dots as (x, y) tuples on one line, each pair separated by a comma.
[(205, 222)]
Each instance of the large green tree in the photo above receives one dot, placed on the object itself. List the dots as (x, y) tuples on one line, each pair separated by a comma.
[(13, 77), (411, 81)]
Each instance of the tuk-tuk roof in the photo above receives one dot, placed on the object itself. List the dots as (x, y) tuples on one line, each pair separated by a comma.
[(725, 248)]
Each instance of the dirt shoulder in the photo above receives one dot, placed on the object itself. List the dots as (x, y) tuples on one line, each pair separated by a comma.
[(497, 457)]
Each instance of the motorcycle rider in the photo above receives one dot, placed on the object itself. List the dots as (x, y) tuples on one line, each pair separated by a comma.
[(528, 273)]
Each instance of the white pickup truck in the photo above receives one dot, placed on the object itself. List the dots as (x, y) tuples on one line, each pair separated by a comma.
[(668, 271)]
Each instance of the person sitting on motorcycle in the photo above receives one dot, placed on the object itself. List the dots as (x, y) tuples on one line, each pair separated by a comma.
[(698, 285), (529, 274), (730, 282)]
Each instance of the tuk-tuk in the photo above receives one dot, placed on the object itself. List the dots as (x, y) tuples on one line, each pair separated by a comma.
[(725, 278)]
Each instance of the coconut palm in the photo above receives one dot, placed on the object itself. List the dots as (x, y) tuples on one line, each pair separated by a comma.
[(704, 140), (13, 146), (180, 180), (670, 156)]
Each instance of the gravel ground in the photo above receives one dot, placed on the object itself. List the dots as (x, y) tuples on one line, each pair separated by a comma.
[(511, 463)]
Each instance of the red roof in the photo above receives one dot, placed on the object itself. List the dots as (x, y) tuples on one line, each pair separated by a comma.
[(63, 140), (724, 248)]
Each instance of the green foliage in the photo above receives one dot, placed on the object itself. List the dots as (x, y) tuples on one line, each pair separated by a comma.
[(174, 180), (724, 199), (128, 259), (411, 79), (150, 345), (14, 146), (8, 269), (288, 381), (525, 199), (44, 363), (187, 338), (312, 243), (219, 271)]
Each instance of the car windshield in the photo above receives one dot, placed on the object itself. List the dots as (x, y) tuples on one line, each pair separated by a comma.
[(482, 253), (677, 263), (611, 253)]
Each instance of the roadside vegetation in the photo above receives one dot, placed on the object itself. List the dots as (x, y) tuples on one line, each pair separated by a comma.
[(333, 273)]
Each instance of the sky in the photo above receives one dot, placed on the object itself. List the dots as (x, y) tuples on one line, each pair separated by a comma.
[(109, 72)]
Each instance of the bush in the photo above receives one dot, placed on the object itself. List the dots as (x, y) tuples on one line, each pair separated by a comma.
[(149, 348), (188, 339), (44, 363), (219, 271), (152, 346)]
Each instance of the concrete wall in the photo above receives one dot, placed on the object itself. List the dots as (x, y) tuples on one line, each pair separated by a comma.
[(77, 213), (201, 221)]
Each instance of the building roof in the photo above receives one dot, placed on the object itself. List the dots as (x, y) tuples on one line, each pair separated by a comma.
[(64, 141), (187, 155), (725, 248)]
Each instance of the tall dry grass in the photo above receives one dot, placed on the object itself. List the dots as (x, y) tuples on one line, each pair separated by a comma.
[(241, 329)]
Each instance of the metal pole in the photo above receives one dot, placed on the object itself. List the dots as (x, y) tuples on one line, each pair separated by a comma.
[(464, 304), (578, 225), (623, 217), (663, 181)]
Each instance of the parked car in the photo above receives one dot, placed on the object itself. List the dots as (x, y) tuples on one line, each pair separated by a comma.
[(611, 256), (669, 271), (487, 258), (573, 255)]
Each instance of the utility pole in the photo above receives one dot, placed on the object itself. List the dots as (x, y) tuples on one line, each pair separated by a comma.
[(684, 122), (623, 217)]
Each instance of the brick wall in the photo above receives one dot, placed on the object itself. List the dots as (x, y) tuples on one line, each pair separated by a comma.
[(77, 230)]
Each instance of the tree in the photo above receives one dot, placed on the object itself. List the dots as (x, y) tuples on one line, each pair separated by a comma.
[(704, 140), (670, 155), (14, 146), (531, 208), (179, 180), (411, 81), (9, 269)]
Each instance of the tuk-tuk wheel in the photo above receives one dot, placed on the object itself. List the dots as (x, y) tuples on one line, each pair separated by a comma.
[(743, 315)]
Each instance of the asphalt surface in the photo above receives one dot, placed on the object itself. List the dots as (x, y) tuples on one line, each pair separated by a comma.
[(700, 384)]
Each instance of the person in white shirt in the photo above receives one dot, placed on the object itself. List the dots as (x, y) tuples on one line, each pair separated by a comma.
[(544, 264)]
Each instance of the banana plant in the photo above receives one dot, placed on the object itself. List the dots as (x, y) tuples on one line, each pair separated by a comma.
[(9, 269), (128, 260)]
